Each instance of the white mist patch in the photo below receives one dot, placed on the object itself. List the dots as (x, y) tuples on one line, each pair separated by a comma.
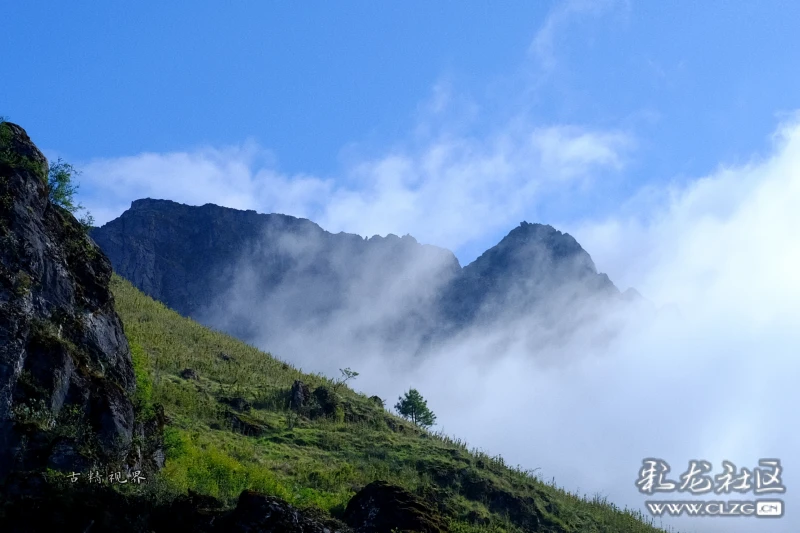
[(716, 381), (710, 376)]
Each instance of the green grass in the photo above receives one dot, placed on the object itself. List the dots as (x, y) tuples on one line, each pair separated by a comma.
[(321, 463)]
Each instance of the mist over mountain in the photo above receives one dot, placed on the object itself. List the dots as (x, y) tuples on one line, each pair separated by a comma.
[(276, 280), (194, 430)]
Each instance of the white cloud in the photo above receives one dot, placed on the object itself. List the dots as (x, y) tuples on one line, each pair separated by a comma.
[(725, 249), (489, 183), (568, 152), (544, 44), (737, 223)]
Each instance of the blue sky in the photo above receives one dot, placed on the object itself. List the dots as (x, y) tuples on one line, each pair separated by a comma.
[(665, 136), (671, 91)]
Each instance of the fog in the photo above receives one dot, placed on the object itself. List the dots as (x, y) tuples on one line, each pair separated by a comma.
[(707, 372), (708, 375)]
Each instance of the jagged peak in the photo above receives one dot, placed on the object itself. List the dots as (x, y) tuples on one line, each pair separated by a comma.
[(632, 294), (543, 237), (540, 230)]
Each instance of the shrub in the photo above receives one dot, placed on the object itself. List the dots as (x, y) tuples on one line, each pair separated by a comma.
[(61, 189)]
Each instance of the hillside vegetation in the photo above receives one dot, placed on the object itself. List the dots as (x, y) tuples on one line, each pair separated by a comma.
[(230, 428)]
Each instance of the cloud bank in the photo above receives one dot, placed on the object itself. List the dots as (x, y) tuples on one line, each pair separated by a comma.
[(710, 377), (489, 183)]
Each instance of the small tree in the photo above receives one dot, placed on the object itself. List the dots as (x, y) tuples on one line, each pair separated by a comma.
[(61, 189), (347, 374), (415, 408)]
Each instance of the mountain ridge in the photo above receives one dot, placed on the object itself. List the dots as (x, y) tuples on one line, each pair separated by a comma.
[(301, 275), (119, 415)]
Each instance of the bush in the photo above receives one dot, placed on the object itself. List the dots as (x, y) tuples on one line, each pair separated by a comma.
[(61, 189)]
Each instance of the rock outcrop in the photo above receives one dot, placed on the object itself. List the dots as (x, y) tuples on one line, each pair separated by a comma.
[(91, 509), (377, 400), (299, 395), (259, 513), (382, 508), (66, 377), (377, 508)]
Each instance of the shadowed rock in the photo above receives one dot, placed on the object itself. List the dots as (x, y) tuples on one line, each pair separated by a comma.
[(241, 423), (189, 373), (89, 508), (65, 364), (226, 357), (326, 402), (299, 395), (259, 513), (377, 401), (237, 402), (381, 508), (533, 268), (302, 273)]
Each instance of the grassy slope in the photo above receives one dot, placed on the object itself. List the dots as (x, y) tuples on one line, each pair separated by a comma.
[(315, 463)]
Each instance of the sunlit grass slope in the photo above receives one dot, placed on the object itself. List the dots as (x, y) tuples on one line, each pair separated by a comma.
[(217, 450)]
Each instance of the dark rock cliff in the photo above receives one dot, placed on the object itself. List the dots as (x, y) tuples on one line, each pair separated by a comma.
[(226, 267), (66, 377), (263, 277), (184, 255), (533, 266)]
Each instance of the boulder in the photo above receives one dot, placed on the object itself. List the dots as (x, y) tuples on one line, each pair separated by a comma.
[(256, 513), (244, 424), (192, 512), (326, 402), (237, 402), (189, 373), (522, 510), (377, 401), (226, 357), (381, 508)]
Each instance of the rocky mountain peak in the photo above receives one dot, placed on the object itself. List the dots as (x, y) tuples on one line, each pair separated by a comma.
[(533, 266), (529, 243), (297, 273)]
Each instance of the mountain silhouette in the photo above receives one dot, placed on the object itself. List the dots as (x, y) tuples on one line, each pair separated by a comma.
[(257, 276)]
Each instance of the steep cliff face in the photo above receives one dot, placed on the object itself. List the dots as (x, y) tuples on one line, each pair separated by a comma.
[(66, 377)]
